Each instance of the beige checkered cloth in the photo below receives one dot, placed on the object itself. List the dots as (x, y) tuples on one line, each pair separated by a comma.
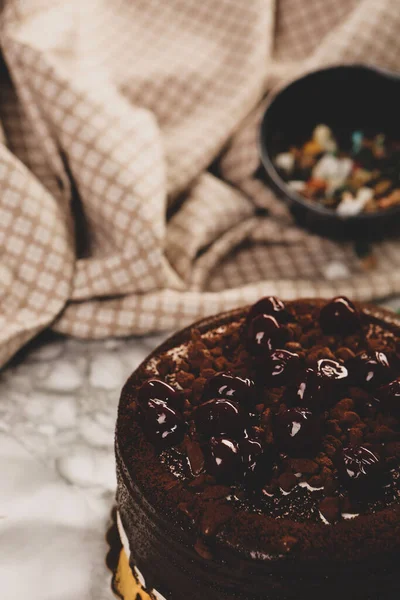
[(111, 114)]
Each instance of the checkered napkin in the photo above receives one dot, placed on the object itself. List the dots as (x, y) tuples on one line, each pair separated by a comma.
[(111, 114)]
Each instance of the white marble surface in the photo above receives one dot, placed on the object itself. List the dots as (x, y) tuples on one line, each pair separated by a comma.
[(58, 408)]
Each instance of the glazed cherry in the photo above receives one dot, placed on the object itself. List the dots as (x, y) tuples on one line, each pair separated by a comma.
[(371, 370), (225, 385), (264, 333), (163, 425), (257, 463), (250, 450), (220, 416), (222, 459), (154, 389), (332, 370), (280, 367), (339, 316), (270, 305), (360, 469), (297, 431), (389, 397), (314, 391)]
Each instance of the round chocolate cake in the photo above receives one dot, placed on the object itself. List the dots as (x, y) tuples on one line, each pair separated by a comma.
[(258, 456)]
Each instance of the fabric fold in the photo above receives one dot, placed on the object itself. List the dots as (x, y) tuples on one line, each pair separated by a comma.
[(131, 198)]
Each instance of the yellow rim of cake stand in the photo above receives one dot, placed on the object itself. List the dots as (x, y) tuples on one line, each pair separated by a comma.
[(126, 585)]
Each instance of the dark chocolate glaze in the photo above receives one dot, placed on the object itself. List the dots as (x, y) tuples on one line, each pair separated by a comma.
[(354, 559)]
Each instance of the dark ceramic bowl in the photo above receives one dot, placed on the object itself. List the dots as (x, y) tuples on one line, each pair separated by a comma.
[(346, 98)]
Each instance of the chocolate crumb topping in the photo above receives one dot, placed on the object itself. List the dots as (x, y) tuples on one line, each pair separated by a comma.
[(290, 415)]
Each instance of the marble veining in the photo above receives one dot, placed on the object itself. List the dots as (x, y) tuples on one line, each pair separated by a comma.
[(58, 405)]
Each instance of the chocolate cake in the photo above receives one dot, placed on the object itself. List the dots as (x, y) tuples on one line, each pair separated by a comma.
[(258, 456)]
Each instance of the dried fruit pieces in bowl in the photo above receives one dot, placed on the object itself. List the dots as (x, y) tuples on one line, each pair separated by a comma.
[(359, 174)]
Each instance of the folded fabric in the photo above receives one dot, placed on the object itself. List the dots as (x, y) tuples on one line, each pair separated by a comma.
[(129, 194)]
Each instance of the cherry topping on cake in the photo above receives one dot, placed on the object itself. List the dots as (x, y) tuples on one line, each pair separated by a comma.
[(257, 463), (339, 316), (270, 305), (223, 459), (250, 449), (163, 425), (313, 391), (297, 431), (389, 397), (371, 370), (264, 333), (225, 385), (220, 416), (333, 370), (280, 367), (154, 389), (360, 468)]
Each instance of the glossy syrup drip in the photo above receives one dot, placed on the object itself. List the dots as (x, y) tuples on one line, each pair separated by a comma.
[(300, 504)]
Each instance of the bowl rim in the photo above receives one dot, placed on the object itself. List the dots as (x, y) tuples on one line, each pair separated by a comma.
[(273, 174)]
